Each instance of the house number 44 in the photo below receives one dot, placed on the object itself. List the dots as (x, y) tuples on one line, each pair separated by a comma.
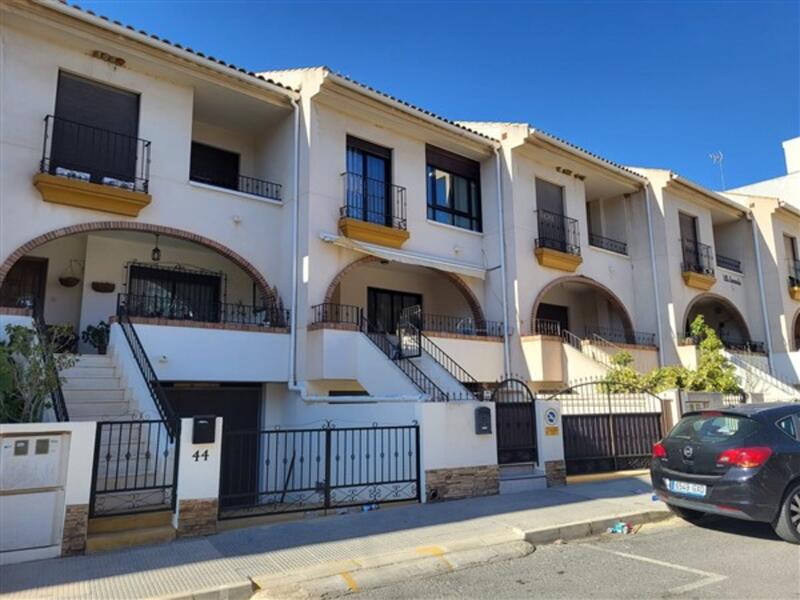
[(198, 455)]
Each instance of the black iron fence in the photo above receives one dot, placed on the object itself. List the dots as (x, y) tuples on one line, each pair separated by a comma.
[(621, 336), (605, 429), (238, 183), (612, 245), (697, 257), (558, 232), (56, 394), (342, 314), (135, 468), (292, 470), (726, 262), (95, 155), (374, 201), (197, 307), (732, 343)]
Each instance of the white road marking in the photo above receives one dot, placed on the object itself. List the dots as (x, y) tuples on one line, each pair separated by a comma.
[(708, 578)]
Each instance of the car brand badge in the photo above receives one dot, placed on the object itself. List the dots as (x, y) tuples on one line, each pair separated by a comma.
[(688, 452)]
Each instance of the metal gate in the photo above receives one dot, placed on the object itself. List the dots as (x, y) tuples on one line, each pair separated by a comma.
[(515, 416), (409, 331), (608, 430), (291, 470), (135, 467)]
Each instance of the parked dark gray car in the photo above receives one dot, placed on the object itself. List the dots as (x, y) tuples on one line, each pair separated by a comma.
[(741, 462)]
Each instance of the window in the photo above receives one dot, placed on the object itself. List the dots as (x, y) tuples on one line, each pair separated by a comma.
[(713, 428), (549, 197), (94, 130), (369, 176), (453, 189), (787, 425), (173, 293), (214, 166)]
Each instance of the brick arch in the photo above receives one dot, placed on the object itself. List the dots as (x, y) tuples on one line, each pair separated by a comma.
[(627, 322), (722, 300), (266, 291), (463, 288)]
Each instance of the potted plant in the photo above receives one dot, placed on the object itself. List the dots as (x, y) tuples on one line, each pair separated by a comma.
[(96, 336)]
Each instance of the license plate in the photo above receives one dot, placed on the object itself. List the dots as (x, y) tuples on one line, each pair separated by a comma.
[(686, 488)]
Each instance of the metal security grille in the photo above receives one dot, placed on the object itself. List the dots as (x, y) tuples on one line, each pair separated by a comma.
[(293, 470), (515, 415), (606, 430), (135, 467)]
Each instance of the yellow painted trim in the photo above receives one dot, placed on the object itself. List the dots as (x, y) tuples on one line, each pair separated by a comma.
[(94, 196), (698, 280), (794, 292), (555, 259), (372, 233)]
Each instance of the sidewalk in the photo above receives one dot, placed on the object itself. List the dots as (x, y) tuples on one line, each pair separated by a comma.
[(233, 559)]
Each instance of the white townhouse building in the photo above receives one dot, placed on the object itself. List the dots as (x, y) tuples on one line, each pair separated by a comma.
[(313, 290)]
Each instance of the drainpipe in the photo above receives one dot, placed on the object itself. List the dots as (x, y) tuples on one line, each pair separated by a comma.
[(654, 273), (764, 311), (503, 277), (295, 236)]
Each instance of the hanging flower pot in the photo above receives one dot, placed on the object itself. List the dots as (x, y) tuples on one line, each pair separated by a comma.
[(103, 287), (70, 276), (69, 281)]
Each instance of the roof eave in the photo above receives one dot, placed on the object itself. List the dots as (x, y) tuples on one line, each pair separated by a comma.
[(708, 193)]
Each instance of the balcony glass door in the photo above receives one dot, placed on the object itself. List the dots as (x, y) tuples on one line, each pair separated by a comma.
[(95, 130), (368, 181), (384, 307), (551, 221), (691, 250)]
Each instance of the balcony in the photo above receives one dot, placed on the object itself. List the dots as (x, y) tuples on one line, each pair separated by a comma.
[(168, 309), (697, 266), (214, 173), (93, 168), (598, 241), (374, 211), (794, 278), (558, 243), (725, 262)]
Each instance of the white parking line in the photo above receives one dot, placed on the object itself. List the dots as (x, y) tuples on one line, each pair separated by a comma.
[(708, 578)]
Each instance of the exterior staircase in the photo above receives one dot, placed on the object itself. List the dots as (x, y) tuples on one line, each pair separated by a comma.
[(755, 379), (94, 390)]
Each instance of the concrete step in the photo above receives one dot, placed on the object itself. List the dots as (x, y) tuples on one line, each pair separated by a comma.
[(89, 372), (94, 396), (92, 383), (117, 523), (94, 360), (115, 540), (99, 411), (517, 484)]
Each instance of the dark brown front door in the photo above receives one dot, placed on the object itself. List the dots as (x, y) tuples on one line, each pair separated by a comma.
[(25, 284), (554, 312)]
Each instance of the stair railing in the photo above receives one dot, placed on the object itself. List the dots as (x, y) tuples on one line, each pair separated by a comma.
[(56, 394), (159, 397), (381, 340), (759, 373)]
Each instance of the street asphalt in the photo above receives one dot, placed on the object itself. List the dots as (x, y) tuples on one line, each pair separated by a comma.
[(719, 558)]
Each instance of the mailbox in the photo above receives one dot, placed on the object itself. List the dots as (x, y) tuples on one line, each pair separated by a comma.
[(203, 429), (483, 420)]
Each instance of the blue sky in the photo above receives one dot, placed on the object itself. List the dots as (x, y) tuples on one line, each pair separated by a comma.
[(642, 83)]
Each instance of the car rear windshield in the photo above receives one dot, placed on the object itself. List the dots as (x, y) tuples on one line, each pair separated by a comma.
[(713, 428)]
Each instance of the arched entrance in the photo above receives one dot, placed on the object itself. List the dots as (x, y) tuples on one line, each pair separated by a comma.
[(722, 316), (80, 275), (382, 289), (515, 416), (585, 308)]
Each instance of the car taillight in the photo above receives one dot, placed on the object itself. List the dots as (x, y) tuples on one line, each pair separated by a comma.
[(745, 458), (659, 451)]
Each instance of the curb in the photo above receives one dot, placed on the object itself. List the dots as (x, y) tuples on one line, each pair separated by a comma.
[(336, 579)]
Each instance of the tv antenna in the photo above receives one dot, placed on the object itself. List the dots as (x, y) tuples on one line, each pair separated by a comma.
[(717, 158)]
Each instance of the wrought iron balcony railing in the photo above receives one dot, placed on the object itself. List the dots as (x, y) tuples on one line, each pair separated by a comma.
[(94, 155), (546, 327), (239, 183), (731, 264), (612, 245), (558, 232), (374, 201), (732, 343), (200, 310), (621, 336), (697, 257)]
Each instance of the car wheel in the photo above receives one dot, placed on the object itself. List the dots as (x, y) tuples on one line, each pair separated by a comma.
[(787, 526), (687, 514)]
